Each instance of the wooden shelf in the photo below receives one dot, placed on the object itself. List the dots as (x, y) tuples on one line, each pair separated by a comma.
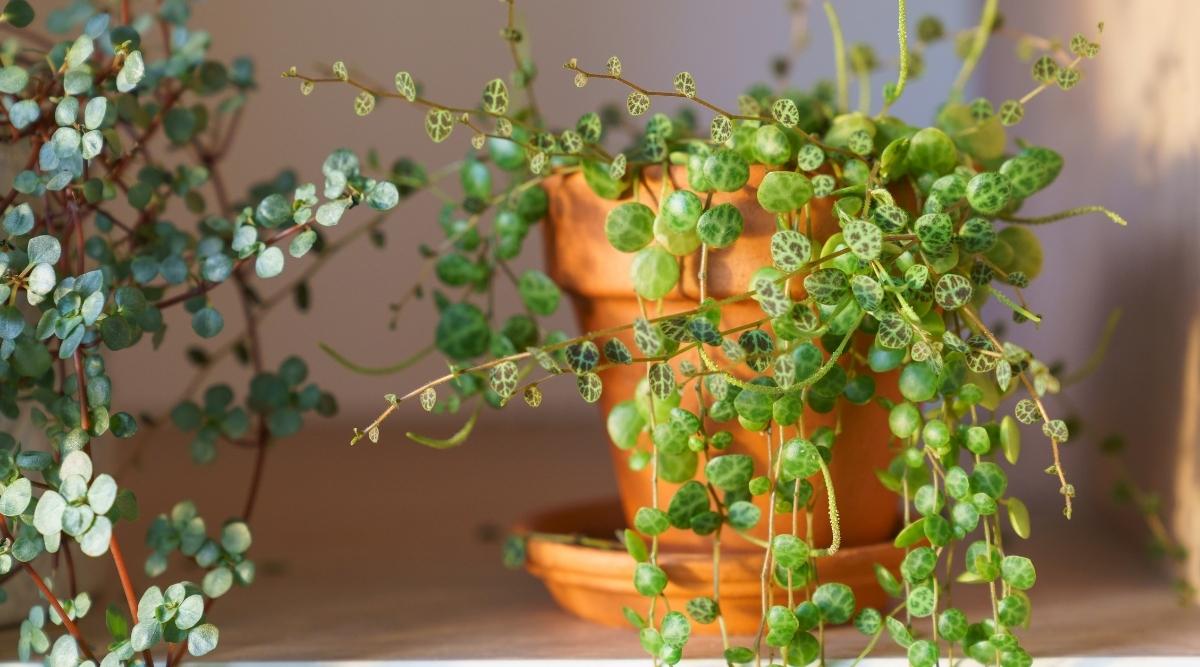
[(391, 551)]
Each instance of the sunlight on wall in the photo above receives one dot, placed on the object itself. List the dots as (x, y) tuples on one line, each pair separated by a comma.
[(1150, 89)]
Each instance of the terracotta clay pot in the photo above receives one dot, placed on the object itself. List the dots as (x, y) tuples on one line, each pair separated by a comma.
[(596, 276)]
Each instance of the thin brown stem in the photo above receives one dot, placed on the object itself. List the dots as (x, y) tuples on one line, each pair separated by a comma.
[(70, 625)]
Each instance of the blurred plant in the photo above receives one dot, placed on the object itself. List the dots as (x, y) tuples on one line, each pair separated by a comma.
[(918, 256), (118, 141), (1162, 544)]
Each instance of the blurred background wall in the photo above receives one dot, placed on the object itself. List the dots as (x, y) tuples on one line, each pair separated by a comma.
[(1128, 132)]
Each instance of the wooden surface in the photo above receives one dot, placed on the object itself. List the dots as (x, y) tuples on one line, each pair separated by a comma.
[(391, 551)]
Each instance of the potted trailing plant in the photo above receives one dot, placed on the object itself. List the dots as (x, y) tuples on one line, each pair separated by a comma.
[(783, 306), (116, 215)]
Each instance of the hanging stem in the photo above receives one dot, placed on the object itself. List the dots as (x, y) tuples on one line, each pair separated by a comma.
[(839, 54), (902, 77), (835, 523), (1069, 213), (978, 44)]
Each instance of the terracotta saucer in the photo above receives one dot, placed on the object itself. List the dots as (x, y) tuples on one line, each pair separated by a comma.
[(595, 584)]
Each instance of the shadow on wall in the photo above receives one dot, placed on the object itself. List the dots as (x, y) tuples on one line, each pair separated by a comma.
[(1133, 121)]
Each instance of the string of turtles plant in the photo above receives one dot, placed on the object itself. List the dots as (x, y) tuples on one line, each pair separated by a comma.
[(117, 214), (930, 233)]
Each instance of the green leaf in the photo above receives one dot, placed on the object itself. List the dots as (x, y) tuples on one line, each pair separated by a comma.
[(604, 181), (269, 262), (203, 639), (439, 123), (191, 610), (13, 79), (217, 582), (18, 13), (1018, 572), (539, 292), (43, 249), (12, 322), (79, 52), (23, 113), (95, 541), (744, 515), (918, 564), (180, 125), (648, 579), (654, 272), (790, 551), (703, 610), (48, 515), (730, 472), (207, 322), (19, 220), (827, 286), (495, 97), (910, 534), (1010, 438), (462, 332), (302, 243), (675, 629), (783, 191), (364, 103), (502, 378), (661, 379), (406, 86), (274, 210), (887, 581), (739, 655), (145, 635), (790, 250), (800, 458), (637, 103), (629, 226), (383, 196), (617, 352), (786, 112), (590, 387), (330, 213), (720, 226), (836, 602), (920, 601), (651, 521), (101, 494), (16, 497), (864, 238), (636, 546), (727, 170), (721, 129), (235, 537), (953, 291), (1018, 517), (689, 501)]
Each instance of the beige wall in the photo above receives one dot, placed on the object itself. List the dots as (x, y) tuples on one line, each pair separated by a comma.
[(1132, 142)]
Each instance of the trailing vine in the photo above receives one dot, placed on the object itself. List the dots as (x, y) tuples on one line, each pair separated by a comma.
[(921, 246)]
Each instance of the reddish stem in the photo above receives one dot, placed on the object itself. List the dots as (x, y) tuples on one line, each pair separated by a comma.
[(127, 586), (46, 592)]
